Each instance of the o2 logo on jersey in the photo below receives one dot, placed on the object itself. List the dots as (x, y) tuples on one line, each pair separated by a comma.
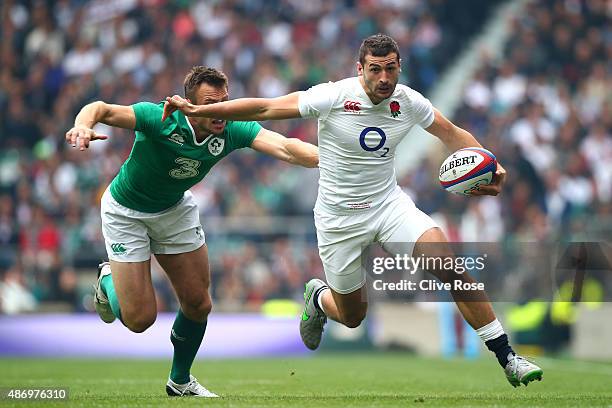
[(381, 143), (188, 168)]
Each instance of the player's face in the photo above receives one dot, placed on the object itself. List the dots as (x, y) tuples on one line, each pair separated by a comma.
[(380, 75), (205, 95)]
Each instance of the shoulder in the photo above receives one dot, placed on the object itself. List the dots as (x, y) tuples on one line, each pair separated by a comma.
[(410, 96), (334, 91), (148, 117), (324, 88), (146, 107), (150, 111), (349, 85), (318, 100), (346, 85), (233, 127), (240, 133), (419, 108), (407, 92)]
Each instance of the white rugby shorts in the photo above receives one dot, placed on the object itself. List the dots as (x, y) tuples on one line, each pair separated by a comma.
[(396, 223), (132, 236)]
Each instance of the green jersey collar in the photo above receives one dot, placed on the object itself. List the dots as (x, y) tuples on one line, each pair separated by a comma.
[(195, 139)]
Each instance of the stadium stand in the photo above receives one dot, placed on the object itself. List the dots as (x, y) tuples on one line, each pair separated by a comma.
[(545, 110), (548, 96)]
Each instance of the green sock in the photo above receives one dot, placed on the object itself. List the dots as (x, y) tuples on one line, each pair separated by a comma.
[(109, 290), (186, 336)]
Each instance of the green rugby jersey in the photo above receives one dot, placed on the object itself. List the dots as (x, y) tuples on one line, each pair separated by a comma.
[(166, 159)]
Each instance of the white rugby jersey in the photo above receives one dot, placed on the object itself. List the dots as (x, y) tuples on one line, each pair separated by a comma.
[(357, 140)]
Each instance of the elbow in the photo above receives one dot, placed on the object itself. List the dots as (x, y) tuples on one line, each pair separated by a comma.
[(299, 161), (313, 163), (262, 113), (300, 153), (99, 105), (310, 162), (449, 133), (102, 109), (307, 163)]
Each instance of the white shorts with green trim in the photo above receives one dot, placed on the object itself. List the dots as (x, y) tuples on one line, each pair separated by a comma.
[(132, 236), (396, 224)]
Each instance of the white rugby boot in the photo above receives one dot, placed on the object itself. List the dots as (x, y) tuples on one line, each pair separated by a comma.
[(520, 370), (192, 389)]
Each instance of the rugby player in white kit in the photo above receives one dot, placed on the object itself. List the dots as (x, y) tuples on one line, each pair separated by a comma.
[(361, 121)]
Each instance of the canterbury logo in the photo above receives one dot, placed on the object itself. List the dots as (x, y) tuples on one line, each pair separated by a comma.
[(118, 248), (351, 106), (176, 138)]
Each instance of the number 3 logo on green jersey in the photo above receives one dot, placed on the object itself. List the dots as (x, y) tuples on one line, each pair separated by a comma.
[(188, 168)]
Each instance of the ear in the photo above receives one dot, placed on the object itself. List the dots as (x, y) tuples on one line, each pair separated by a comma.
[(400, 65), (359, 69)]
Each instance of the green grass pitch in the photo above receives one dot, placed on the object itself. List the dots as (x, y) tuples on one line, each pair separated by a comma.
[(322, 381)]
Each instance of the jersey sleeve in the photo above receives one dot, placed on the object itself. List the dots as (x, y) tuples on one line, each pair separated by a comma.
[(148, 117), (317, 101), (243, 133), (422, 110)]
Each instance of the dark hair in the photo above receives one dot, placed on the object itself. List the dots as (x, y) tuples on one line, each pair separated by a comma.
[(378, 45), (203, 75)]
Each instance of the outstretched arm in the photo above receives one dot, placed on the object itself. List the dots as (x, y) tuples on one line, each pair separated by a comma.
[(283, 107), (99, 112), (456, 138), (291, 150)]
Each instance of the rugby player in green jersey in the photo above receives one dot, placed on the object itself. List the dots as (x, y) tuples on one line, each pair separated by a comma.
[(148, 208)]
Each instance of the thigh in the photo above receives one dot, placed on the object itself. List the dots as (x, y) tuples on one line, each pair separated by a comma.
[(177, 230), (433, 244), (402, 224), (134, 289), (125, 235), (189, 274), (341, 240)]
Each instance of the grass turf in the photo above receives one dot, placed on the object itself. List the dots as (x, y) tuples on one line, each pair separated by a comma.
[(323, 381)]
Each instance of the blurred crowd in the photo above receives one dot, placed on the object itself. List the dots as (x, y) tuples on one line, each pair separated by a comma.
[(544, 109)]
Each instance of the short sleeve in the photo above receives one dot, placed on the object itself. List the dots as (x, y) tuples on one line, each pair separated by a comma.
[(317, 101), (422, 110), (148, 117), (243, 133)]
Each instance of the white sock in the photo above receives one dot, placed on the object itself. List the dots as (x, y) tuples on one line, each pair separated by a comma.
[(490, 331), (320, 300)]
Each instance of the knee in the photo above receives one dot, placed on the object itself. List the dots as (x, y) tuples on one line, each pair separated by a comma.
[(353, 320), (197, 310), (140, 322)]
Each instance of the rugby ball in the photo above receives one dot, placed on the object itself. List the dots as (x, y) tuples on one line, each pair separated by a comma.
[(466, 169)]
